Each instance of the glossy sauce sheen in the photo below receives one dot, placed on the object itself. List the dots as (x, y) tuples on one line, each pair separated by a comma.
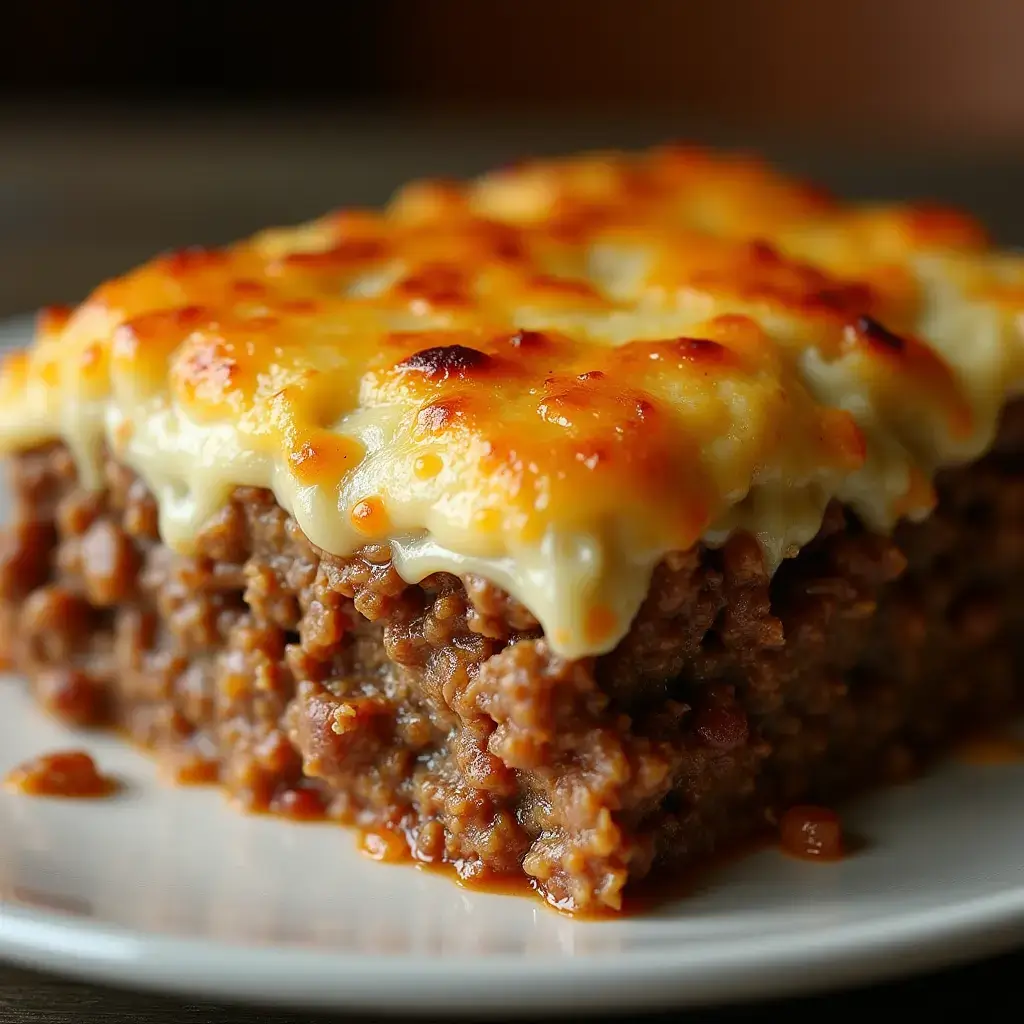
[(811, 833), (640, 897), (551, 376), (71, 773)]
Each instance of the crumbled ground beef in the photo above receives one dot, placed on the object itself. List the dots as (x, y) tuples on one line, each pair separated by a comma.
[(439, 712)]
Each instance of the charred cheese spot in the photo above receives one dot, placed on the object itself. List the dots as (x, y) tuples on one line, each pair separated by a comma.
[(881, 337), (446, 361), (528, 340), (441, 416), (918, 369)]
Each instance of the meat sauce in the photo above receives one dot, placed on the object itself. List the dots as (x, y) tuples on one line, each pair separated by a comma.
[(642, 896), (811, 833), (66, 773)]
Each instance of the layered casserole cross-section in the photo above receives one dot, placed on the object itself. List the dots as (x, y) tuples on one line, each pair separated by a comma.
[(568, 524)]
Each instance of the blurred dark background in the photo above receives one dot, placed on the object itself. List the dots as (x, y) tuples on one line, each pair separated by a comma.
[(129, 128)]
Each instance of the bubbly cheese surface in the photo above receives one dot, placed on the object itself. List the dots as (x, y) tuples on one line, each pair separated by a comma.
[(551, 376)]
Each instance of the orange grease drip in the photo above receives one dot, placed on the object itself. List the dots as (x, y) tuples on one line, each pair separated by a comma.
[(426, 467), (66, 773), (392, 846), (811, 833), (369, 517)]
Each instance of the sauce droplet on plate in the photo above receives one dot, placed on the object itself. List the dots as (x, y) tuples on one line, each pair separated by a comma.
[(66, 773), (811, 833)]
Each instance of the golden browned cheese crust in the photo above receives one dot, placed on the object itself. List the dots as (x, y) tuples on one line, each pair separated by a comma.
[(551, 376)]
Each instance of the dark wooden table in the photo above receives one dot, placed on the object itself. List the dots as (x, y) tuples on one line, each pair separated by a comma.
[(86, 193), (982, 991)]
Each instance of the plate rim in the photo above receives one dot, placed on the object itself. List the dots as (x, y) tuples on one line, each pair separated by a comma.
[(809, 960), (734, 970)]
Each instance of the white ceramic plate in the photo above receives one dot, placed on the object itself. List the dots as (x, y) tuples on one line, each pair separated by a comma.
[(171, 889)]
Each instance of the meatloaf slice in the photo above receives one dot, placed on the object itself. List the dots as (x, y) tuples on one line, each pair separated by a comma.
[(438, 717)]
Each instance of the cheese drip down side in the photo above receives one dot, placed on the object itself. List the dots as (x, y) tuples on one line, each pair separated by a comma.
[(551, 377)]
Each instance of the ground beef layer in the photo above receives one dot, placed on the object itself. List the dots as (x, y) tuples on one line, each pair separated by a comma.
[(310, 684)]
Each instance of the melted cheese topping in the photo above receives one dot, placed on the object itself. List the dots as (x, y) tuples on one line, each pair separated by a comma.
[(551, 376)]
